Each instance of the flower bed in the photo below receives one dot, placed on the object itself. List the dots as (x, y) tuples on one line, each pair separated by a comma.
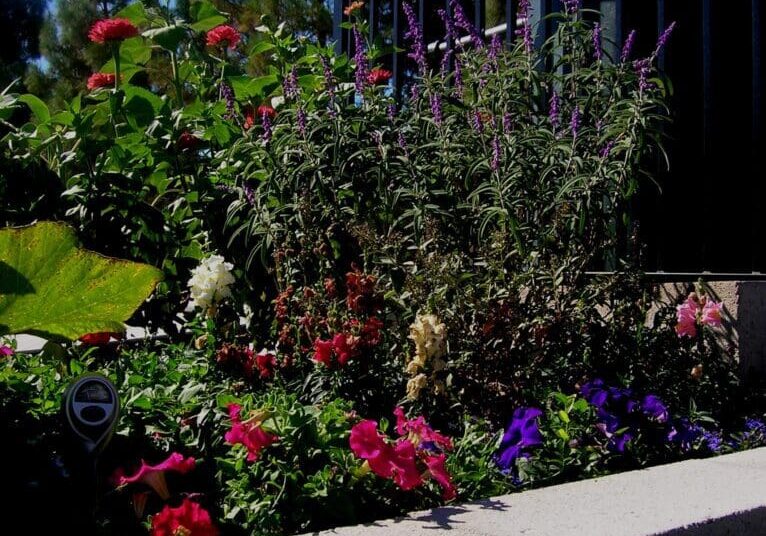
[(388, 298)]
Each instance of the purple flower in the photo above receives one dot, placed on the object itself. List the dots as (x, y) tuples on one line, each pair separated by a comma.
[(522, 433), (449, 37), (414, 92), (627, 48), (571, 6), (684, 433), (435, 101), (610, 424), (507, 122), (495, 164), (329, 80), (267, 130), (595, 393), (391, 111), (553, 112), (654, 408), (402, 141), (495, 45), (607, 149), (249, 192), (756, 426), (458, 78), (474, 118), (360, 59), (301, 120), (228, 95), (290, 85), (597, 51), (663, 39), (526, 29), (712, 441), (574, 122), (415, 35), (461, 21), (643, 68)]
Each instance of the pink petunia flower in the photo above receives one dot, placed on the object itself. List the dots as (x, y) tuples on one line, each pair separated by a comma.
[(438, 470), (248, 433), (419, 430), (154, 475), (188, 519), (5, 351)]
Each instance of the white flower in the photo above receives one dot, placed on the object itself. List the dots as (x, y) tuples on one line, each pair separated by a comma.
[(210, 281)]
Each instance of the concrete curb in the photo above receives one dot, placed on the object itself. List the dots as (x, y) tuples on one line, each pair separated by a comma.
[(713, 496)]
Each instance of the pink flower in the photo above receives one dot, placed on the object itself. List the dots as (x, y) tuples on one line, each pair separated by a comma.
[(112, 30), (223, 35), (379, 75), (438, 470), (403, 467), (323, 352), (6, 351), (188, 519), (97, 80), (686, 315), (154, 475), (248, 433), (711, 313), (268, 111), (101, 338), (419, 430)]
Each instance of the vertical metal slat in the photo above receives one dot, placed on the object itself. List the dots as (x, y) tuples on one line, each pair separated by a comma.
[(337, 20), (397, 61), (611, 23), (757, 225)]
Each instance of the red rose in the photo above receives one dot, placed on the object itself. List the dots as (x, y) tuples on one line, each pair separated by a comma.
[(265, 109), (112, 30), (379, 76), (223, 35), (97, 80), (189, 519)]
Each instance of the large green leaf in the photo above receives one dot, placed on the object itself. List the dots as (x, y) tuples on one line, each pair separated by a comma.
[(52, 288)]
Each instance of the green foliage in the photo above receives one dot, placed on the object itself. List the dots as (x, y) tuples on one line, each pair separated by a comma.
[(53, 289)]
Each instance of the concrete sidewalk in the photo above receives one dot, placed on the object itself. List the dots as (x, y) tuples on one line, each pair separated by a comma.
[(714, 496)]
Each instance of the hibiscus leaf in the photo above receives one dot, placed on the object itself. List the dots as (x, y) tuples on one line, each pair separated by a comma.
[(52, 288)]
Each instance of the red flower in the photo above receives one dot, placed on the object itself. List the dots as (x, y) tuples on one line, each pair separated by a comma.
[(419, 430), (330, 288), (223, 35), (345, 347), (97, 80), (187, 141), (188, 519), (249, 118), (323, 352), (396, 463), (371, 331), (154, 475), (438, 470), (112, 30), (265, 109), (101, 338), (265, 361), (379, 76), (248, 433), (360, 291)]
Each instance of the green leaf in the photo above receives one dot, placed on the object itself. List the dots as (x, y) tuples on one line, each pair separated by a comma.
[(135, 50), (37, 106), (52, 288), (168, 37), (206, 16), (135, 13), (142, 104), (246, 87)]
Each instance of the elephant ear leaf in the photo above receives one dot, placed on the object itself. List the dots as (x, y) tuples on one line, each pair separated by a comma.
[(51, 287)]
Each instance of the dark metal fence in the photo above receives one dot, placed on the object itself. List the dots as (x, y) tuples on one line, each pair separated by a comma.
[(709, 215)]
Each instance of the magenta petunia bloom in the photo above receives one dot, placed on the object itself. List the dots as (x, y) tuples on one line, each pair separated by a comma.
[(116, 29), (6, 350), (249, 433), (438, 470), (420, 431), (154, 475), (223, 35), (187, 519)]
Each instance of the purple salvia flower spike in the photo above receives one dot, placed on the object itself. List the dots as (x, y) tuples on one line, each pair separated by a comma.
[(290, 85), (571, 6), (267, 130), (228, 95), (461, 21), (506, 122), (627, 48), (436, 107), (574, 123), (360, 59), (301, 120), (415, 35), (663, 38), (597, 51), (553, 112), (526, 29), (495, 164)]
